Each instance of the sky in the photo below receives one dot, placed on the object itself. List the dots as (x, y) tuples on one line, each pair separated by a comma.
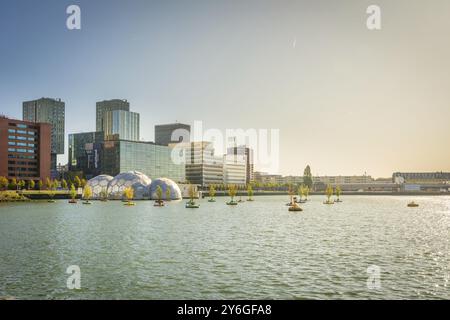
[(347, 100)]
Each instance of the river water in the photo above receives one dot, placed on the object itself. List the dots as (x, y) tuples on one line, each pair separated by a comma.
[(367, 247)]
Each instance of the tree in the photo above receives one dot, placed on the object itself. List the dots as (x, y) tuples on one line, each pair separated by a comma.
[(104, 194), (52, 189), (129, 193), (232, 191), (31, 184), (302, 191), (212, 191), (338, 192), (63, 184), (191, 193), (250, 192), (21, 184), (307, 177), (3, 183), (77, 181), (159, 193), (48, 184), (73, 192), (13, 184), (329, 192), (87, 193), (40, 184), (168, 194), (83, 183)]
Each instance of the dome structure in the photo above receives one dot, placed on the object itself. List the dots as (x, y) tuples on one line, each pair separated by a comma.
[(165, 183), (99, 185), (135, 179)]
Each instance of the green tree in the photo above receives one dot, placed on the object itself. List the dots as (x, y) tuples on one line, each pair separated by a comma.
[(73, 192), (77, 182), (13, 184), (3, 183), (250, 192), (307, 177), (329, 192), (212, 191), (87, 193), (168, 194), (40, 184), (129, 193), (83, 183), (64, 184), (31, 184), (48, 184), (338, 192), (232, 191), (159, 193), (21, 184)]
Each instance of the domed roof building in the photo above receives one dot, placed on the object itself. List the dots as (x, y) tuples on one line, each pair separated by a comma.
[(98, 185), (165, 183), (135, 179)]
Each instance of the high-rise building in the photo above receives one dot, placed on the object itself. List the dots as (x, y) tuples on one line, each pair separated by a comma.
[(203, 167), (25, 149), (108, 105), (125, 124), (52, 111), (147, 157), (166, 134), (235, 169), (85, 152), (248, 153)]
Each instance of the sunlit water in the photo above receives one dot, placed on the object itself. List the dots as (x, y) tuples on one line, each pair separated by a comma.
[(256, 250)]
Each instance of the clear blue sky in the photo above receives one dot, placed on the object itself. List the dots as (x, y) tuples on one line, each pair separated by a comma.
[(347, 100)]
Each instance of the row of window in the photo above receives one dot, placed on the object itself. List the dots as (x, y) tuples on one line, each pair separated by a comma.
[(20, 150), (23, 163), (33, 133), (21, 144), (13, 169), (21, 156), (21, 138), (22, 175)]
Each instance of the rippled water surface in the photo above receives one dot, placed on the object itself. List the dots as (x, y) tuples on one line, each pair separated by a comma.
[(254, 250)]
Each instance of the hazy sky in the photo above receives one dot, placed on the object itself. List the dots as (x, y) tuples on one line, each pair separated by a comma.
[(346, 100)]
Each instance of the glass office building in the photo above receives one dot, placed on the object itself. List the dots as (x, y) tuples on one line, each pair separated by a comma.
[(85, 152), (52, 111), (153, 160), (108, 105), (122, 123)]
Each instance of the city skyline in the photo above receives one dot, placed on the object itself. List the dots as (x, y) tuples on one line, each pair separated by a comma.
[(346, 100)]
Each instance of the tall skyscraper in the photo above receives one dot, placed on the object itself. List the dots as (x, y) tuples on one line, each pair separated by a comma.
[(115, 118), (108, 105), (166, 134), (52, 111), (24, 149), (125, 124), (85, 152)]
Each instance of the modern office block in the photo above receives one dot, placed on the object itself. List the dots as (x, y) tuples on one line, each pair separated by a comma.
[(153, 160), (25, 149), (248, 153), (235, 169), (52, 111), (85, 152), (166, 134), (109, 105), (125, 124)]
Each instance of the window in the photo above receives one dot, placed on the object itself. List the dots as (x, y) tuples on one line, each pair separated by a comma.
[(21, 138), (11, 143), (11, 137), (20, 125), (21, 144), (11, 149), (21, 131), (11, 131), (31, 145)]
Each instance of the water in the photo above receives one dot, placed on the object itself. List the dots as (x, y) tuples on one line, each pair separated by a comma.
[(256, 250)]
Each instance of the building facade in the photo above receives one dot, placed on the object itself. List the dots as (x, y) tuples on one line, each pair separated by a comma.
[(248, 153), (125, 124), (25, 149), (85, 152), (235, 169), (421, 177), (166, 134), (52, 111), (108, 105), (203, 167), (153, 160)]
